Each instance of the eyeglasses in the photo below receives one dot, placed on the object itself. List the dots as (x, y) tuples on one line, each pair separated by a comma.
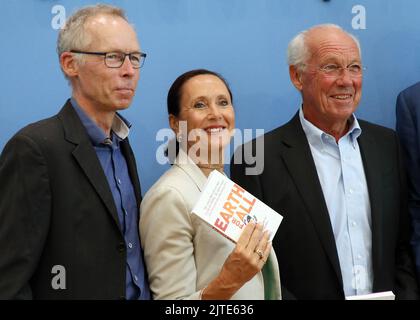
[(116, 59), (332, 70)]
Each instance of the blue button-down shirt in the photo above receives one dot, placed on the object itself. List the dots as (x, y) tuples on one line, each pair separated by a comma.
[(116, 171), (342, 177)]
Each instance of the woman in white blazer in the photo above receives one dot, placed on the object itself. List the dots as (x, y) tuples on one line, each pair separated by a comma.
[(185, 257)]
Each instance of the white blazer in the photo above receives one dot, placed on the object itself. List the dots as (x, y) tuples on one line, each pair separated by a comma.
[(183, 254)]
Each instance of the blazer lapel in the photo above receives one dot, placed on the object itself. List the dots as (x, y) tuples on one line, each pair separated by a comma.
[(132, 169), (86, 157), (298, 159), (187, 165), (372, 155)]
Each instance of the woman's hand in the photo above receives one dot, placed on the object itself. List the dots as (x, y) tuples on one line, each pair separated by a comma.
[(245, 261)]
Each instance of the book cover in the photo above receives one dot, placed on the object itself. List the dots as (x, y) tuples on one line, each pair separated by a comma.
[(228, 208)]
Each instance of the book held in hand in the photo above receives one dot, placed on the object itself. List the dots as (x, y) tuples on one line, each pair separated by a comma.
[(228, 208), (386, 295)]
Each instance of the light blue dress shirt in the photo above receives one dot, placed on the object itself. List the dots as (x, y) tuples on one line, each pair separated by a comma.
[(342, 177)]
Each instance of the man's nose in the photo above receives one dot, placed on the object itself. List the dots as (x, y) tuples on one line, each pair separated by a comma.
[(345, 77), (127, 67)]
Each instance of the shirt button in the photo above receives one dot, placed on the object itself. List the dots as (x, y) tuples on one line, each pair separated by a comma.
[(359, 256), (354, 223), (125, 212), (351, 191), (119, 181), (130, 245), (135, 278)]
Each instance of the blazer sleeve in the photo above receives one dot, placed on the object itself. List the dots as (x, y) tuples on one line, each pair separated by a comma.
[(167, 240), (407, 130), (25, 206), (406, 280)]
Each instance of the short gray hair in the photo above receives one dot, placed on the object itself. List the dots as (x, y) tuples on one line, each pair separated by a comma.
[(73, 36), (298, 51)]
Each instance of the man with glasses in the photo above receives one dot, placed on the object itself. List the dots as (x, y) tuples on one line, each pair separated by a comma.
[(337, 180), (69, 188)]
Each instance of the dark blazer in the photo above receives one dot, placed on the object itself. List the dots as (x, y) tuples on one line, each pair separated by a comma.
[(305, 244), (56, 208), (408, 122)]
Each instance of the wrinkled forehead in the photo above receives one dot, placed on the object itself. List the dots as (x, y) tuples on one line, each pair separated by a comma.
[(327, 43)]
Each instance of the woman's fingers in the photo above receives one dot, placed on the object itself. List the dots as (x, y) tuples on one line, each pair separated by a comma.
[(266, 254), (248, 257), (254, 243), (245, 236), (264, 240), (255, 237), (260, 248)]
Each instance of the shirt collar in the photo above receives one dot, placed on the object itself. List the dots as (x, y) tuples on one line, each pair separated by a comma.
[(120, 126), (317, 137)]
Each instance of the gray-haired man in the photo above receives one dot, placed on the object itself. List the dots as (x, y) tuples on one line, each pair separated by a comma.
[(337, 180), (69, 189)]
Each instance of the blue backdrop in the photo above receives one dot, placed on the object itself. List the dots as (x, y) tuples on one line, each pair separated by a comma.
[(244, 40)]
